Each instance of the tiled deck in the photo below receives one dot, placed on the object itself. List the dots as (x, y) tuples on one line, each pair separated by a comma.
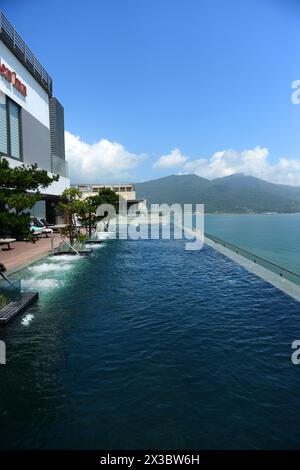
[(24, 253)]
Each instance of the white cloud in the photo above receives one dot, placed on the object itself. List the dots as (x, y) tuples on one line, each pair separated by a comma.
[(172, 160), (252, 162), (101, 161), (110, 161)]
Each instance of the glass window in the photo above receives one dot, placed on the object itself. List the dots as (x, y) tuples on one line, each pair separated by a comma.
[(3, 124), (14, 127), (39, 210)]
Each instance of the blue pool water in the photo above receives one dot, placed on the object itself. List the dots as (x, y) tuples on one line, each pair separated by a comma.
[(146, 345)]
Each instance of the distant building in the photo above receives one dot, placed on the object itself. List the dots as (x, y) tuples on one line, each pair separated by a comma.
[(126, 191), (31, 119)]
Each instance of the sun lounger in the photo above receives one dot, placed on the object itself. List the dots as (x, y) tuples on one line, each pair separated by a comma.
[(47, 231), (43, 223), (58, 227), (39, 224), (7, 241), (36, 231), (46, 223)]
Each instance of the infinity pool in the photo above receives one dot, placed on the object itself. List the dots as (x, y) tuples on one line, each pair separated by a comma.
[(146, 345)]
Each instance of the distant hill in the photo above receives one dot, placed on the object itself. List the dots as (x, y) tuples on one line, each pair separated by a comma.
[(236, 193)]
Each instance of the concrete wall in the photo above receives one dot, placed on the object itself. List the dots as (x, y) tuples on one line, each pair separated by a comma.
[(55, 188), (36, 141)]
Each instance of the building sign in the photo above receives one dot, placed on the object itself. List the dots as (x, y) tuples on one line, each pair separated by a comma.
[(11, 77)]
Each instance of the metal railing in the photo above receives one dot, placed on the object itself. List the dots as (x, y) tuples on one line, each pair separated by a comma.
[(17, 45), (273, 267), (64, 241)]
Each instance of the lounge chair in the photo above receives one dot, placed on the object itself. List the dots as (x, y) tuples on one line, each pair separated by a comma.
[(46, 223), (45, 230), (36, 231), (58, 227), (7, 241), (54, 227)]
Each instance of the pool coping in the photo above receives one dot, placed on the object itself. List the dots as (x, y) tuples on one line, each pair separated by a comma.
[(28, 263)]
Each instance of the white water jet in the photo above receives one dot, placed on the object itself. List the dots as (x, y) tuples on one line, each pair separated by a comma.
[(27, 319)]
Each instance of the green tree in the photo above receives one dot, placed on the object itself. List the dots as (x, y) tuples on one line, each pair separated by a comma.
[(71, 204), (108, 196), (88, 208), (87, 212), (19, 191)]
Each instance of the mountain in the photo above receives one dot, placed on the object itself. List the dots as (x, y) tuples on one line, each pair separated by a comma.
[(236, 193)]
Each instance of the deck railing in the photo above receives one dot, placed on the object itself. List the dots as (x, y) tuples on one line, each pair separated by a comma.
[(273, 267)]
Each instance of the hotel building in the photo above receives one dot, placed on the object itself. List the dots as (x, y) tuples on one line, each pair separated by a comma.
[(31, 118)]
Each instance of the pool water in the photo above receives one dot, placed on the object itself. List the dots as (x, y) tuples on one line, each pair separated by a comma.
[(146, 345)]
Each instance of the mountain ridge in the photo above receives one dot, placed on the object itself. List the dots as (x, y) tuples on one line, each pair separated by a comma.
[(237, 193)]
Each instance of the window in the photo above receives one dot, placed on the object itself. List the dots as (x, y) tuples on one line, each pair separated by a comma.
[(10, 128), (39, 210), (14, 127)]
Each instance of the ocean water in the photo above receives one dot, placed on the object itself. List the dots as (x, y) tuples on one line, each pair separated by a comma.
[(146, 345), (275, 237)]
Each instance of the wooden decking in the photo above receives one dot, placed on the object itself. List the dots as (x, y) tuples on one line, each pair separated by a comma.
[(12, 309), (24, 253)]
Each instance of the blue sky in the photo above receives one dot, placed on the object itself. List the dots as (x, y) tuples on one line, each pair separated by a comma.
[(204, 83)]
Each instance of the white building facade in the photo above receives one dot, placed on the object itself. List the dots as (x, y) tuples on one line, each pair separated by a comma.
[(31, 119), (124, 190)]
